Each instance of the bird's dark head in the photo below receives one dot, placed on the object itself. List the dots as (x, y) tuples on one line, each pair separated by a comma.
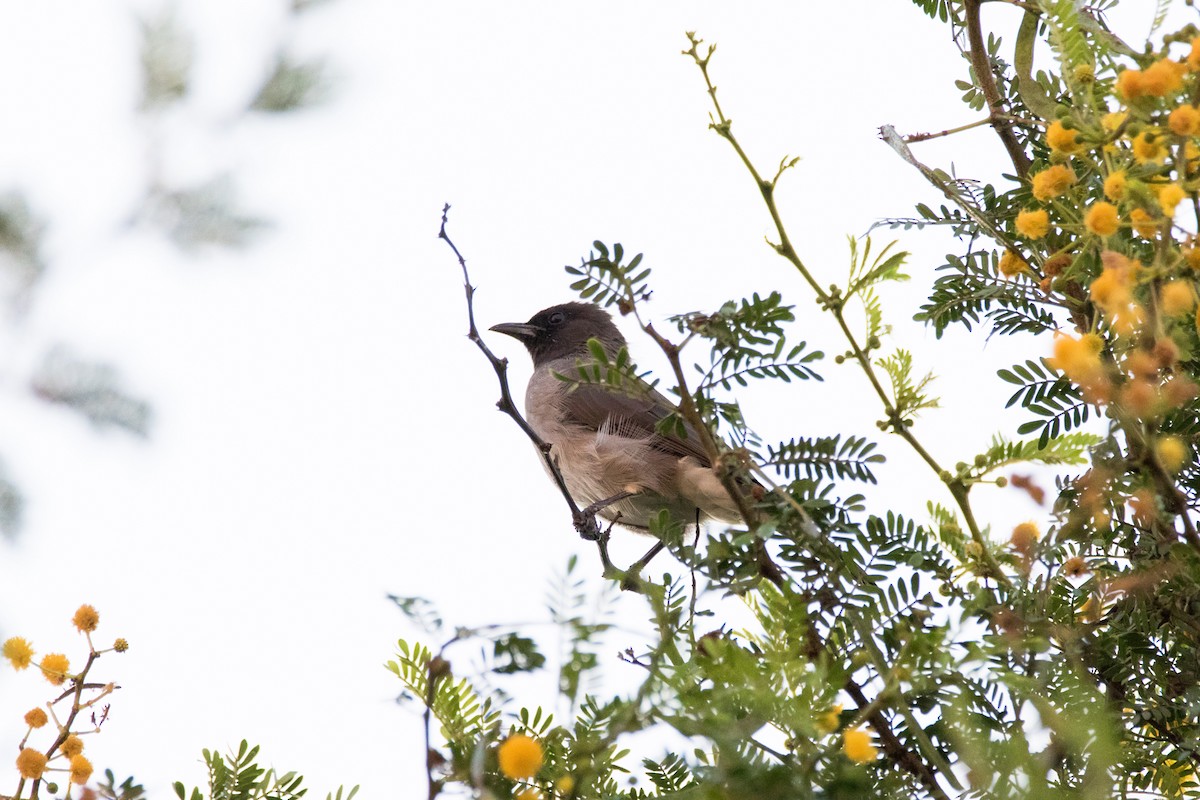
[(564, 330)]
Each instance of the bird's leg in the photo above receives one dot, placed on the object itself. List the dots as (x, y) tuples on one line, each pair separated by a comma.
[(585, 519), (641, 563), (610, 571), (631, 579)]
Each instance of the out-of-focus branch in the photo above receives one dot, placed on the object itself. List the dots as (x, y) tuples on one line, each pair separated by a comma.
[(981, 65)]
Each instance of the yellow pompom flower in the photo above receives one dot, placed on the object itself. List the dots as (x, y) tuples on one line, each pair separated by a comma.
[(1191, 255), (1011, 264), (1193, 58), (1162, 78), (81, 770), (856, 744), (1033, 224), (18, 651), (1052, 181), (31, 763), (36, 718), (1169, 196), (564, 785), (520, 757), (1130, 84), (1078, 359), (1149, 148), (72, 746), (120, 645), (1061, 140), (1101, 219), (1184, 121), (54, 667), (1110, 289), (831, 720), (1172, 453), (1176, 297), (1114, 185), (1143, 223), (1024, 537), (86, 618)]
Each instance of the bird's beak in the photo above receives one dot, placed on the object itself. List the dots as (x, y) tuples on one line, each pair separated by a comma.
[(518, 330)]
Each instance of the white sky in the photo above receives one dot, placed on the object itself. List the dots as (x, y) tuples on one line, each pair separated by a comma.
[(325, 434)]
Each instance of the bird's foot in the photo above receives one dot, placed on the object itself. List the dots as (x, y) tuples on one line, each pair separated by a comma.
[(585, 519)]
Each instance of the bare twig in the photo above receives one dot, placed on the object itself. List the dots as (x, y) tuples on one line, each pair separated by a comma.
[(981, 65), (584, 520)]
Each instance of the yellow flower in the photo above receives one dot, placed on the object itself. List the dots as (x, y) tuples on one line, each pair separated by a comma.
[(54, 667), (31, 763), (1101, 219), (1078, 359), (1110, 289), (35, 718), (1011, 264), (1162, 78), (1192, 256), (1143, 223), (1184, 121), (1062, 140), (520, 757), (1169, 196), (1193, 59), (72, 746), (1129, 84), (1052, 181), (1075, 566), (86, 618), (1171, 452), (1176, 297), (120, 645), (18, 651), (1024, 537), (831, 720), (1149, 147), (1033, 224), (81, 769), (564, 785), (856, 744), (1114, 185)]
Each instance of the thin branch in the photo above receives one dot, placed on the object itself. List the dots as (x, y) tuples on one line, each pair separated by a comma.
[(584, 520), (981, 65)]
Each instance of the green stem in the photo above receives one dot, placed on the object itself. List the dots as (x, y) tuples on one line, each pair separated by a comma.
[(959, 491)]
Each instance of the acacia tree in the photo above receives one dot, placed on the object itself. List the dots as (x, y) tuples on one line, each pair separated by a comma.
[(937, 657)]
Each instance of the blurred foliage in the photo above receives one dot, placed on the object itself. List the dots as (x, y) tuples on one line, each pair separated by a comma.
[(193, 216), (238, 776)]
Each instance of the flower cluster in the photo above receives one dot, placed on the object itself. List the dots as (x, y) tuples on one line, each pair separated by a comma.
[(1105, 239), (65, 752)]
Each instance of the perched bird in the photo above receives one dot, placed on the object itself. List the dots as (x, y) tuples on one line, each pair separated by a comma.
[(604, 438)]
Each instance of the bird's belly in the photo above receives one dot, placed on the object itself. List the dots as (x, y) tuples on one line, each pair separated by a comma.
[(597, 468)]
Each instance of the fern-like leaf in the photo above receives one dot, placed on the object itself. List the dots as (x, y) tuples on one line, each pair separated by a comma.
[(826, 457)]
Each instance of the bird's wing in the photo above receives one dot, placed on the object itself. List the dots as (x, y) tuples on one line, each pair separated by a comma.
[(632, 415)]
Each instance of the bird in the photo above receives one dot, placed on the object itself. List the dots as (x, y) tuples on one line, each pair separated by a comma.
[(605, 440)]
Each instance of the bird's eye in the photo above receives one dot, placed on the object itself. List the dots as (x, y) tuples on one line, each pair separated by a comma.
[(557, 318)]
